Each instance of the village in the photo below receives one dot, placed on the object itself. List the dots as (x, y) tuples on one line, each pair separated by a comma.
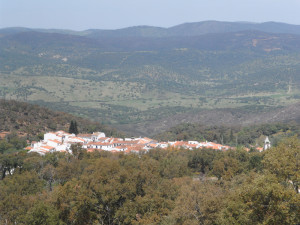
[(62, 141)]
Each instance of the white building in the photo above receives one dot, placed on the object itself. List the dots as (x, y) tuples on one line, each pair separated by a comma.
[(59, 141), (267, 144)]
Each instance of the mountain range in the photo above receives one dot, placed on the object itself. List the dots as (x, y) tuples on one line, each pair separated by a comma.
[(185, 30), (139, 78)]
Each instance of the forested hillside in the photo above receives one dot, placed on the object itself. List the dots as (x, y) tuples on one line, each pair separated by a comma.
[(31, 120), (159, 187), (139, 80), (250, 136)]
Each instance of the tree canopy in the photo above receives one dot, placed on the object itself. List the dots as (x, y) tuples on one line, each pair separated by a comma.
[(159, 187)]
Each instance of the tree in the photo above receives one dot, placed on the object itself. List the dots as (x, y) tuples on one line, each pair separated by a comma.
[(48, 174), (42, 214), (261, 199), (77, 151), (8, 164), (4, 146), (73, 127), (226, 168), (231, 138), (201, 159), (197, 203), (284, 161), (17, 195)]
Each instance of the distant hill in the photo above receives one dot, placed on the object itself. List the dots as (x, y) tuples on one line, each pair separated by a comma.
[(146, 79), (186, 29), (33, 42), (228, 117), (206, 27), (196, 29), (32, 120)]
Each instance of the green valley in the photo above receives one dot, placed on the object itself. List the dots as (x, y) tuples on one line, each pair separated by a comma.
[(137, 82)]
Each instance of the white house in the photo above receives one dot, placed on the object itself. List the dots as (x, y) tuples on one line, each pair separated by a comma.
[(97, 135), (54, 143)]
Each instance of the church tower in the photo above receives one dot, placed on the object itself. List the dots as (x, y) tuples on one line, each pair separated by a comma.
[(267, 144)]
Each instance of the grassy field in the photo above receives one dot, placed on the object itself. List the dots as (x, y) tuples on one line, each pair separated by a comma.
[(127, 102)]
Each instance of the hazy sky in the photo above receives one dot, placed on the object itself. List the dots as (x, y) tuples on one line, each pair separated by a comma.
[(112, 14)]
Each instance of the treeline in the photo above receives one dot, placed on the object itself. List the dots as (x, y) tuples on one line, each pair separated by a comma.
[(159, 187), (231, 135), (33, 120)]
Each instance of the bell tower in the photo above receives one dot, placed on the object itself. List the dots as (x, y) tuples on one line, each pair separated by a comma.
[(267, 144)]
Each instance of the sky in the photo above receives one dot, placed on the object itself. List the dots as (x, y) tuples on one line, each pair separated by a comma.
[(113, 14)]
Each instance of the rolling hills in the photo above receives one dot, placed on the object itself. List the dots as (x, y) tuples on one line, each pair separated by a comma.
[(186, 29), (146, 79), (31, 120)]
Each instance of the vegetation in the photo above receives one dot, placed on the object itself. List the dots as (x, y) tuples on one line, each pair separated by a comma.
[(159, 187), (12, 143), (31, 121), (143, 81), (231, 135), (73, 129)]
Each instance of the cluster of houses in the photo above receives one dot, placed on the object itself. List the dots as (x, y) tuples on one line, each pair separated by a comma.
[(61, 141)]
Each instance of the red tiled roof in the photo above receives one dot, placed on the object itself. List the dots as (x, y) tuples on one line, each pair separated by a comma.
[(153, 145), (56, 141), (103, 138), (259, 149), (145, 140), (76, 139), (180, 143), (101, 144), (134, 148), (121, 147), (192, 145), (47, 147)]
